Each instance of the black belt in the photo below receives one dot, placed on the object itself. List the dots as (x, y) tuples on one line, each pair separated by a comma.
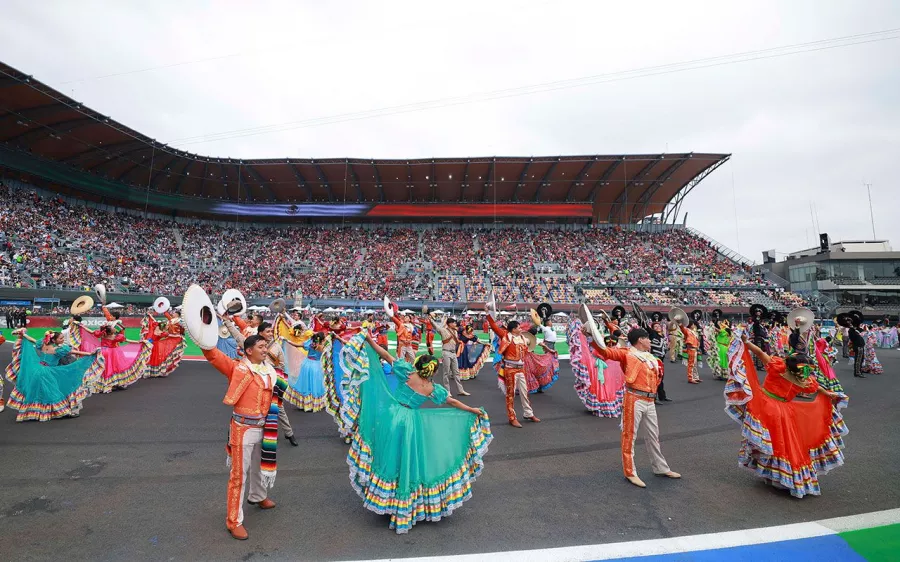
[(641, 393)]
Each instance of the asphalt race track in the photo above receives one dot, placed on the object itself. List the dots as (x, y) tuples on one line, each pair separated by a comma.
[(141, 476)]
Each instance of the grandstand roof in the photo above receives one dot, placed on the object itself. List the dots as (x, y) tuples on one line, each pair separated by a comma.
[(47, 134)]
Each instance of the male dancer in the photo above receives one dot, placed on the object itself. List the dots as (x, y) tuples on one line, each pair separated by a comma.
[(858, 345), (429, 327), (450, 351), (758, 331), (691, 344), (513, 346), (251, 327), (252, 384), (274, 356), (642, 378), (404, 327)]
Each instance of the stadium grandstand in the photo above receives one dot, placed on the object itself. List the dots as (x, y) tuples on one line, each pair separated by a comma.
[(88, 200)]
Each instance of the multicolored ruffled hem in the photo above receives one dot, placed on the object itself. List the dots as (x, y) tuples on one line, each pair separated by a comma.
[(69, 406), (547, 367), (169, 364), (872, 368), (306, 402), (332, 398), (799, 481), (355, 364), (597, 407), (719, 372), (603, 409), (127, 377), (472, 372), (535, 385), (426, 503), (547, 385), (757, 454), (831, 385)]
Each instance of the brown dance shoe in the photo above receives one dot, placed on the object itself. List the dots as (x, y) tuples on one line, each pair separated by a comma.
[(515, 423), (267, 503), (534, 419), (240, 533)]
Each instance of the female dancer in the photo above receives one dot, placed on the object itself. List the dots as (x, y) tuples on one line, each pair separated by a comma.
[(825, 376), (124, 363), (406, 462), (719, 361), (310, 384), (870, 364), (473, 356), (785, 442), (167, 346), (46, 390), (227, 344), (599, 384)]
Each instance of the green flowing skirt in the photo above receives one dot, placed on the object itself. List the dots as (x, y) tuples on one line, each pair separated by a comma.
[(42, 392), (411, 464)]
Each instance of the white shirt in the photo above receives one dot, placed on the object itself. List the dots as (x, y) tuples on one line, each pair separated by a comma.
[(549, 334)]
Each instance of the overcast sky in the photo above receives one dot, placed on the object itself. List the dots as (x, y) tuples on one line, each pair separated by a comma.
[(812, 126)]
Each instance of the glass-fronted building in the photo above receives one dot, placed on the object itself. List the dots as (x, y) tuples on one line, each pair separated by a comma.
[(867, 280)]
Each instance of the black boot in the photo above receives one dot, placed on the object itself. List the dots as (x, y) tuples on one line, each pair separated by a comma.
[(292, 440)]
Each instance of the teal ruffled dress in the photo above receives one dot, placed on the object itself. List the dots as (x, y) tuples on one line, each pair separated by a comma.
[(409, 463), (45, 389)]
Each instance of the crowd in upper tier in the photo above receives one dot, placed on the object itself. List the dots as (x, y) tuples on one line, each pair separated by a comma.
[(50, 243)]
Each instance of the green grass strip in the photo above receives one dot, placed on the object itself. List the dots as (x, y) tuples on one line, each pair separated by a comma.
[(876, 544)]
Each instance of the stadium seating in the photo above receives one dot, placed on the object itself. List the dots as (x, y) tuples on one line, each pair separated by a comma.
[(50, 243)]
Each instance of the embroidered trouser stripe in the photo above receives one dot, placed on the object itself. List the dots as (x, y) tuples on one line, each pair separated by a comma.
[(245, 444), (692, 364), (639, 418), (514, 379)]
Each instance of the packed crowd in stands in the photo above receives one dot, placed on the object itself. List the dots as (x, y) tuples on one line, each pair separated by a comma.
[(50, 243)]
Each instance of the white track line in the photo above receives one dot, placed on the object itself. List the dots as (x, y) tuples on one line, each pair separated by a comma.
[(677, 545)]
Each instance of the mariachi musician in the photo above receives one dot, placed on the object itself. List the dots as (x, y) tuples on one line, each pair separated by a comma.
[(759, 335)]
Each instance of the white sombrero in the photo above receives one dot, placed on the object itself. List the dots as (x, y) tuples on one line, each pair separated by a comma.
[(100, 289), (233, 302), (161, 305), (200, 317), (587, 319)]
